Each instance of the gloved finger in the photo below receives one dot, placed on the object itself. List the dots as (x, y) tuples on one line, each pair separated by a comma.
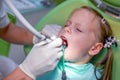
[(48, 40), (58, 49), (53, 37), (42, 42), (57, 42), (60, 55), (51, 30), (56, 58)]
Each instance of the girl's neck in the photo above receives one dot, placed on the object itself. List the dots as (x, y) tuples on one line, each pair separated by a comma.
[(84, 60)]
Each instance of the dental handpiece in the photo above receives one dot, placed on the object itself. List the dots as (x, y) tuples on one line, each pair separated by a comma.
[(24, 21)]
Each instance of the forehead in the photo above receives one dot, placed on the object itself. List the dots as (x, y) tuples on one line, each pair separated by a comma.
[(83, 14), (84, 17)]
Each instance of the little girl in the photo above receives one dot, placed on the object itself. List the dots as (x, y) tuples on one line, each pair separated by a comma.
[(85, 34)]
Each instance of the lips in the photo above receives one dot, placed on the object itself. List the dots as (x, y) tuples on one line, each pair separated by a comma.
[(64, 41)]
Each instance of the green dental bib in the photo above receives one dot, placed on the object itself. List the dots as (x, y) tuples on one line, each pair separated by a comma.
[(73, 72)]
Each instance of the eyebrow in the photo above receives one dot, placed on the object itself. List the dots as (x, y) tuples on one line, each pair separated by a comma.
[(78, 24), (72, 22)]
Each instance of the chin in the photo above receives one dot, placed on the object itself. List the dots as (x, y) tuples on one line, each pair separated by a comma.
[(67, 57)]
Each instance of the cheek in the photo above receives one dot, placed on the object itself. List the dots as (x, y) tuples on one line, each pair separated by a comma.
[(77, 48), (74, 50), (71, 56)]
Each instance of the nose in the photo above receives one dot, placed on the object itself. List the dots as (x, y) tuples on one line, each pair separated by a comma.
[(67, 30)]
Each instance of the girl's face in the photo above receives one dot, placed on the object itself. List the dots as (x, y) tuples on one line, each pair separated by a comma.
[(79, 35)]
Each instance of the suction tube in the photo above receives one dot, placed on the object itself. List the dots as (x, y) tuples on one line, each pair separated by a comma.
[(108, 8), (24, 21)]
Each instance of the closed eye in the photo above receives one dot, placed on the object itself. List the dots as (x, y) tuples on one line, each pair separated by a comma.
[(78, 29)]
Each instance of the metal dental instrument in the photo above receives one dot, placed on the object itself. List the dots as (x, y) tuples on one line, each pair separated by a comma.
[(24, 21), (106, 7)]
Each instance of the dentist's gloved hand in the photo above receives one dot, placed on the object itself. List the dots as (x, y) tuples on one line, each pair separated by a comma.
[(43, 57), (49, 31)]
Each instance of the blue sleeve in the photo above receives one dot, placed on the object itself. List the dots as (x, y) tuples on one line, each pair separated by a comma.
[(4, 20)]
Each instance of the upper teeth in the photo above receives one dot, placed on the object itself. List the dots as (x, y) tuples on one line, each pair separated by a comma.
[(64, 43)]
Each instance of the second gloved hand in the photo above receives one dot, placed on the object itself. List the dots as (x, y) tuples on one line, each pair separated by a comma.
[(43, 57), (49, 31)]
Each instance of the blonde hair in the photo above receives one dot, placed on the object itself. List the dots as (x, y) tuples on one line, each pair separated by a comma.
[(104, 32)]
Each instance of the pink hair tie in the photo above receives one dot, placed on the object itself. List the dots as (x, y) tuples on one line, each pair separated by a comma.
[(103, 20)]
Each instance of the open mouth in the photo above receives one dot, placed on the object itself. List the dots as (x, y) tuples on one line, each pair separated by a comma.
[(64, 41)]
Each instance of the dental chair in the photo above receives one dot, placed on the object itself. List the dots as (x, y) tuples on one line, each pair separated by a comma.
[(60, 14)]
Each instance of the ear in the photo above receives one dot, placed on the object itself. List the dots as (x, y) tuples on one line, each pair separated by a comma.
[(95, 49)]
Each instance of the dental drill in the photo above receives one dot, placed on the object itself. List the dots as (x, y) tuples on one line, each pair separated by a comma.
[(24, 21)]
